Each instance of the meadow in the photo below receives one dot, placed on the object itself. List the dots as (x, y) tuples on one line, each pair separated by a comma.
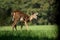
[(35, 32)]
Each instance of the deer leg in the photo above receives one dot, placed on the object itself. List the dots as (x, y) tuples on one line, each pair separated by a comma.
[(26, 25), (14, 25), (21, 25)]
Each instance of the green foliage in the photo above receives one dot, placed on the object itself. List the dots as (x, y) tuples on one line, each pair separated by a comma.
[(46, 10)]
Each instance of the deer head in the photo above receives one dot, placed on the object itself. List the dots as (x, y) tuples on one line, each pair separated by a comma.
[(33, 16)]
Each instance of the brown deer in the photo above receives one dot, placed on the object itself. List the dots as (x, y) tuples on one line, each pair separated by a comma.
[(20, 16)]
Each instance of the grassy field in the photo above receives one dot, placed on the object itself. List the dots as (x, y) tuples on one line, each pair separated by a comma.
[(35, 32)]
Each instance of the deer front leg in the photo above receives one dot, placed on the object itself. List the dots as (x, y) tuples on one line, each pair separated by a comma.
[(14, 25), (26, 25)]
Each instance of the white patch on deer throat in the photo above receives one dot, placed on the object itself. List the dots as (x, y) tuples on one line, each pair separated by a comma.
[(14, 13)]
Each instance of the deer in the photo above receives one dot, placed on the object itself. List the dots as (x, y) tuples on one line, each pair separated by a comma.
[(18, 15)]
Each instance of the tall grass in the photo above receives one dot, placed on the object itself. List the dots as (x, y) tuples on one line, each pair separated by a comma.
[(40, 32)]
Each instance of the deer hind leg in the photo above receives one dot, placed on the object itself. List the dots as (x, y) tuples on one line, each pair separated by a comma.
[(26, 25), (15, 27)]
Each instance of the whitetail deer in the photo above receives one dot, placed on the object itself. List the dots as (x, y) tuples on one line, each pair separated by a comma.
[(18, 15)]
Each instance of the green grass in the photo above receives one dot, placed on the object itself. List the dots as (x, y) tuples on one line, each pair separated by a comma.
[(35, 32)]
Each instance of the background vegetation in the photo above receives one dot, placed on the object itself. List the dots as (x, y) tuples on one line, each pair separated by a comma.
[(45, 8)]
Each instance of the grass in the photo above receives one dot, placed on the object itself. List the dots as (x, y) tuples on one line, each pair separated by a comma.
[(35, 32)]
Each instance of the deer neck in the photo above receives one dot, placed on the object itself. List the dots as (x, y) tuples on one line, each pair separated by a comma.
[(31, 17)]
